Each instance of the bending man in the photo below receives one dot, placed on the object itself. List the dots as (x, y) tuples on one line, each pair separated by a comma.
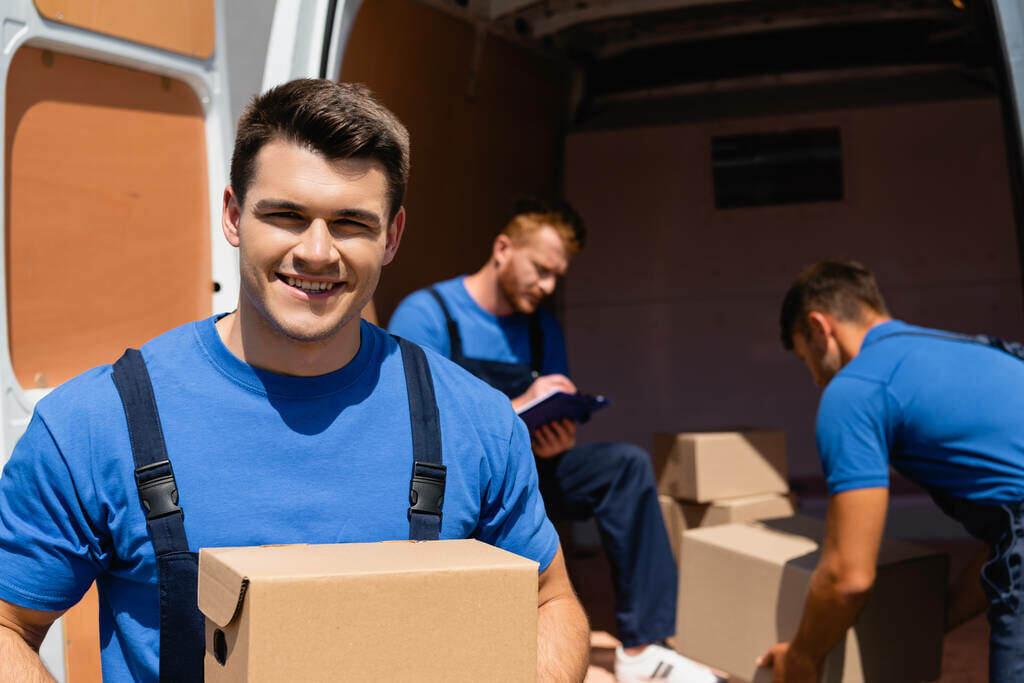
[(945, 411)]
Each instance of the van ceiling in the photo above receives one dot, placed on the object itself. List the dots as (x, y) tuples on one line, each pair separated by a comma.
[(624, 46)]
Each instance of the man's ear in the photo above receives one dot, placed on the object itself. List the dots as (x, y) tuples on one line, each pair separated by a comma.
[(395, 232), (501, 248), (230, 215), (819, 326)]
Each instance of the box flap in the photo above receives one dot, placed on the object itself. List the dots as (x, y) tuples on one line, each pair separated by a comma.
[(795, 539), (743, 501), (221, 588), (301, 562), (754, 540)]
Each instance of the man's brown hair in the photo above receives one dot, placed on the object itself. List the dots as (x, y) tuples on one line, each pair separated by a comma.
[(336, 120), (840, 288), (533, 213)]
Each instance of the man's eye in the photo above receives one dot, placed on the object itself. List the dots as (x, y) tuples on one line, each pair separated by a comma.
[(289, 215), (349, 224)]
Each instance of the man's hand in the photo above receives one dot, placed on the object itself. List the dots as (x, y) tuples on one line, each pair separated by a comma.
[(788, 666), (553, 438), (542, 386), (21, 633), (563, 635)]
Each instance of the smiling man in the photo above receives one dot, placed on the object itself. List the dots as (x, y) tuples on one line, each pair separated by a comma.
[(285, 421), (490, 322), (942, 409)]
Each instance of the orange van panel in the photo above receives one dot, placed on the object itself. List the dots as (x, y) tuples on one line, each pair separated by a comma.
[(183, 26), (107, 212)]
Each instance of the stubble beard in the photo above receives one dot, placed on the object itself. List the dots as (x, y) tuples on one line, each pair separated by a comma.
[(509, 292)]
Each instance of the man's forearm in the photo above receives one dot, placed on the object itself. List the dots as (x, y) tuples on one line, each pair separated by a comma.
[(18, 661), (563, 641), (831, 607)]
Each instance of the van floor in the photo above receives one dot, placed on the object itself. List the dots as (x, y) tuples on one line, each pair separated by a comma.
[(964, 655)]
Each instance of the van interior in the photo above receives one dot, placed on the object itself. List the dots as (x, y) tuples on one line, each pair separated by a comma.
[(713, 147)]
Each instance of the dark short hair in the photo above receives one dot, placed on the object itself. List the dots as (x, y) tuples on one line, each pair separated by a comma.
[(531, 213), (337, 120), (841, 288)]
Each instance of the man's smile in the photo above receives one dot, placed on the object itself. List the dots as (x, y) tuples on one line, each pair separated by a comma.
[(308, 287)]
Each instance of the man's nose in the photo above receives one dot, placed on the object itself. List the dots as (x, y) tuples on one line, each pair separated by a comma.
[(547, 284), (316, 247)]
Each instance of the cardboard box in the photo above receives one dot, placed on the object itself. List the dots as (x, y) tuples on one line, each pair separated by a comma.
[(675, 523), (681, 515), (742, 589), (706, 466), (430, 611)]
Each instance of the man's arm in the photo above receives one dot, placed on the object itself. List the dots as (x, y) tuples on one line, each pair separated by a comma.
[(21, 633), (839, 585), (563, 634)]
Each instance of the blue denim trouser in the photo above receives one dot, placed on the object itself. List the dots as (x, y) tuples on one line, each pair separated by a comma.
[(614, 484), (1001, 526)]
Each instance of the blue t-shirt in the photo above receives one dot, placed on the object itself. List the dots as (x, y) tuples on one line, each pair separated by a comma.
[(947, 414), (485, 336), (259, 459)]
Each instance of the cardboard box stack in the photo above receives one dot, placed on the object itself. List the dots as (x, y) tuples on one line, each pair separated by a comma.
[(711, 478), (431, 611), (743, 587)]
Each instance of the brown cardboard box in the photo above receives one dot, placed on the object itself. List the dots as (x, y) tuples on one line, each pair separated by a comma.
[(430, 611), (742, 589), (681, 515), (707, 466), (675, 522)]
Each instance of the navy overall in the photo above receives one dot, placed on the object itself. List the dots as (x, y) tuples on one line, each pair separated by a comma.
[(512, 379), (182, 641), (611, 482)]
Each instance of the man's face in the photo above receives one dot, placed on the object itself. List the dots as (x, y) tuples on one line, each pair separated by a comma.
[(529, 267), (820, 353), (312, 235)]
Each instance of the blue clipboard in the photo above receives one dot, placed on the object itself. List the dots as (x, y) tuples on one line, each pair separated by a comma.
[(559, 405)]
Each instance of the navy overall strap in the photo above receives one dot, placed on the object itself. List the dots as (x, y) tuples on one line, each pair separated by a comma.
[(181, 624), (426, 489), (536, 345), (454, 338)]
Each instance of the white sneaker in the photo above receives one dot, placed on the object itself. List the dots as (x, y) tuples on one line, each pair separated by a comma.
[(658, 663)]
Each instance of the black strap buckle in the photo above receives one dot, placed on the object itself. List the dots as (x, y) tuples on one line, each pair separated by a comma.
[(159, 495), (426, 490)]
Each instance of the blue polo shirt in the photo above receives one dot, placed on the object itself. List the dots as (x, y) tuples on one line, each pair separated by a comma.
[(947, 414)]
